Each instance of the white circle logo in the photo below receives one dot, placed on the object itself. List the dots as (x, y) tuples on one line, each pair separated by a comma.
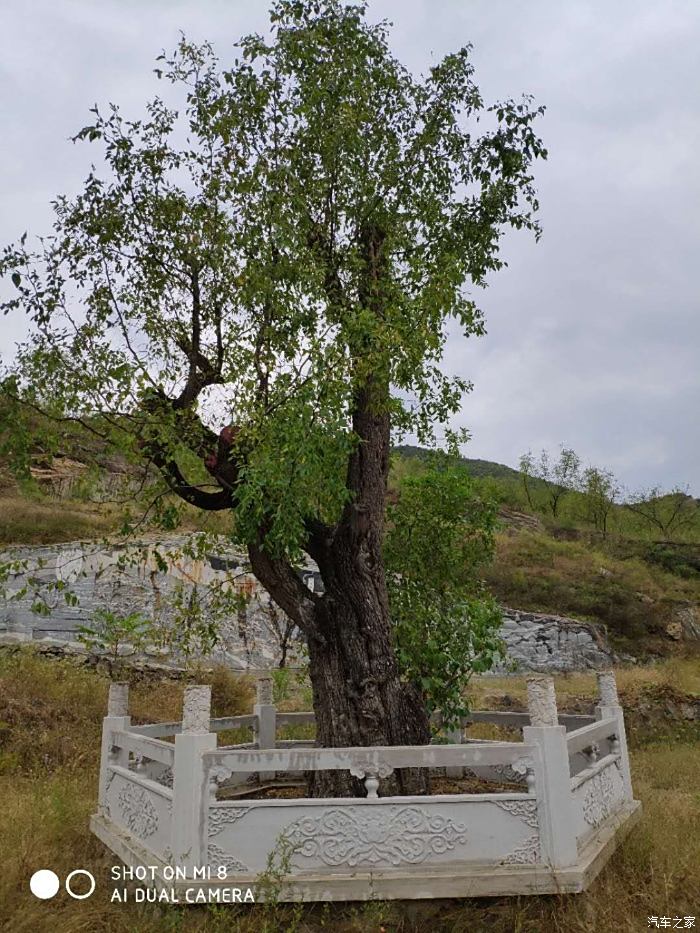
[(80, 871), (44, 884)]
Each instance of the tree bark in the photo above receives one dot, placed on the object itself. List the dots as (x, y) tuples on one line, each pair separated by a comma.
[(358, 697)]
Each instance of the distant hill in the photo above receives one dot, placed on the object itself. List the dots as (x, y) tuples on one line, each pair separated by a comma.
[(476, 467)]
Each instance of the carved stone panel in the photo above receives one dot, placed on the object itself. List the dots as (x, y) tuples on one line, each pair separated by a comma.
[(526, 852), (221, 817), (137, 811), (350, 836), (525, 810), (383, 834), (598, 798), (218, 857), (603, 795), (141, 812)]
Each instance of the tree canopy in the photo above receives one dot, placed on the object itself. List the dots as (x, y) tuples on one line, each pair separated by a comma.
[(301, 232), (252, 294)]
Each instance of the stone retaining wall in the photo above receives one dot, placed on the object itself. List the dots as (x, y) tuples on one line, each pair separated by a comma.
[(248, 640)]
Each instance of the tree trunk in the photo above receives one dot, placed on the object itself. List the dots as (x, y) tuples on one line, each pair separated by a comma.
[(358, 697)]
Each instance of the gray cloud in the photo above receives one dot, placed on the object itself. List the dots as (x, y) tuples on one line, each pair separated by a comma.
[(594, 332)]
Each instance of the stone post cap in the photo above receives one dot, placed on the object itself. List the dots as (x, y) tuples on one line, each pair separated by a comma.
[(607, 688), (196, 709), (118, 699), (264, 690), (542, 700)]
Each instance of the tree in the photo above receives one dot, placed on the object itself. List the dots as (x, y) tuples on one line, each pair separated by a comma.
[(527, 474), (283, 629), (559, 476), (255, 295), (600, 490), (670, 513), (446, 627), (111, 633)]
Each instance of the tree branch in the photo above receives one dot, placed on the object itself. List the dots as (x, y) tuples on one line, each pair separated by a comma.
[(285, 586)]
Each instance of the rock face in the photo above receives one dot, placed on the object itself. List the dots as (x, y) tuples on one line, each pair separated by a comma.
[(687, 618), (158, 581), (538, 642), (154, 579)]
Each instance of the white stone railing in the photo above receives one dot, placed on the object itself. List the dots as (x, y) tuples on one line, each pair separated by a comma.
[(159, 784), (369, 763)]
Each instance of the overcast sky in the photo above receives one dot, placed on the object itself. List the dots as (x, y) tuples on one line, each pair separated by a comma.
[(593, 333)]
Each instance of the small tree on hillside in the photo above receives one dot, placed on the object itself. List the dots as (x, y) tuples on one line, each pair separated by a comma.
[(527, 475), (559, 477), (601, 491), (252, 301), (669, 513)]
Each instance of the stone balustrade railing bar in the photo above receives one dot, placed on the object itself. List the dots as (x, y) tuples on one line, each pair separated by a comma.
[(226, 723), (393, 757), (587, 736), (144, 746)]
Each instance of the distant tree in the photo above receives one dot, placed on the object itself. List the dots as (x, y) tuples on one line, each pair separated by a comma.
[(111, 633), (560, 476), (527, 475), (670, 513), (284, 630), (600, 492)]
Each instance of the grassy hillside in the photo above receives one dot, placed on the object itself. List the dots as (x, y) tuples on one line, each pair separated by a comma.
[(478, 468), (635, 599)]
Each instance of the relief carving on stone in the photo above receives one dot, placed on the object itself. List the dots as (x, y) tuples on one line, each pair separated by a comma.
[(607, 688), (353, 835), (137, 810), (196, 710), (526, 852), (525, 810), (604, 793), (515, 773), (221, 817), (166, 777), (362, 765), (220, 773), (218, 857), (541, 701)]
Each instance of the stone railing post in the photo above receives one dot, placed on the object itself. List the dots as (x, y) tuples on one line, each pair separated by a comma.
[(266, 711), (609, 707), (190, 788), (552, 777), (117, 719), (454, 736)]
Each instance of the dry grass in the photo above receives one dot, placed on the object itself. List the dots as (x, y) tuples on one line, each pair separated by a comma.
[(52, 713), (48, 520), (682, 674), (29, 521)]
